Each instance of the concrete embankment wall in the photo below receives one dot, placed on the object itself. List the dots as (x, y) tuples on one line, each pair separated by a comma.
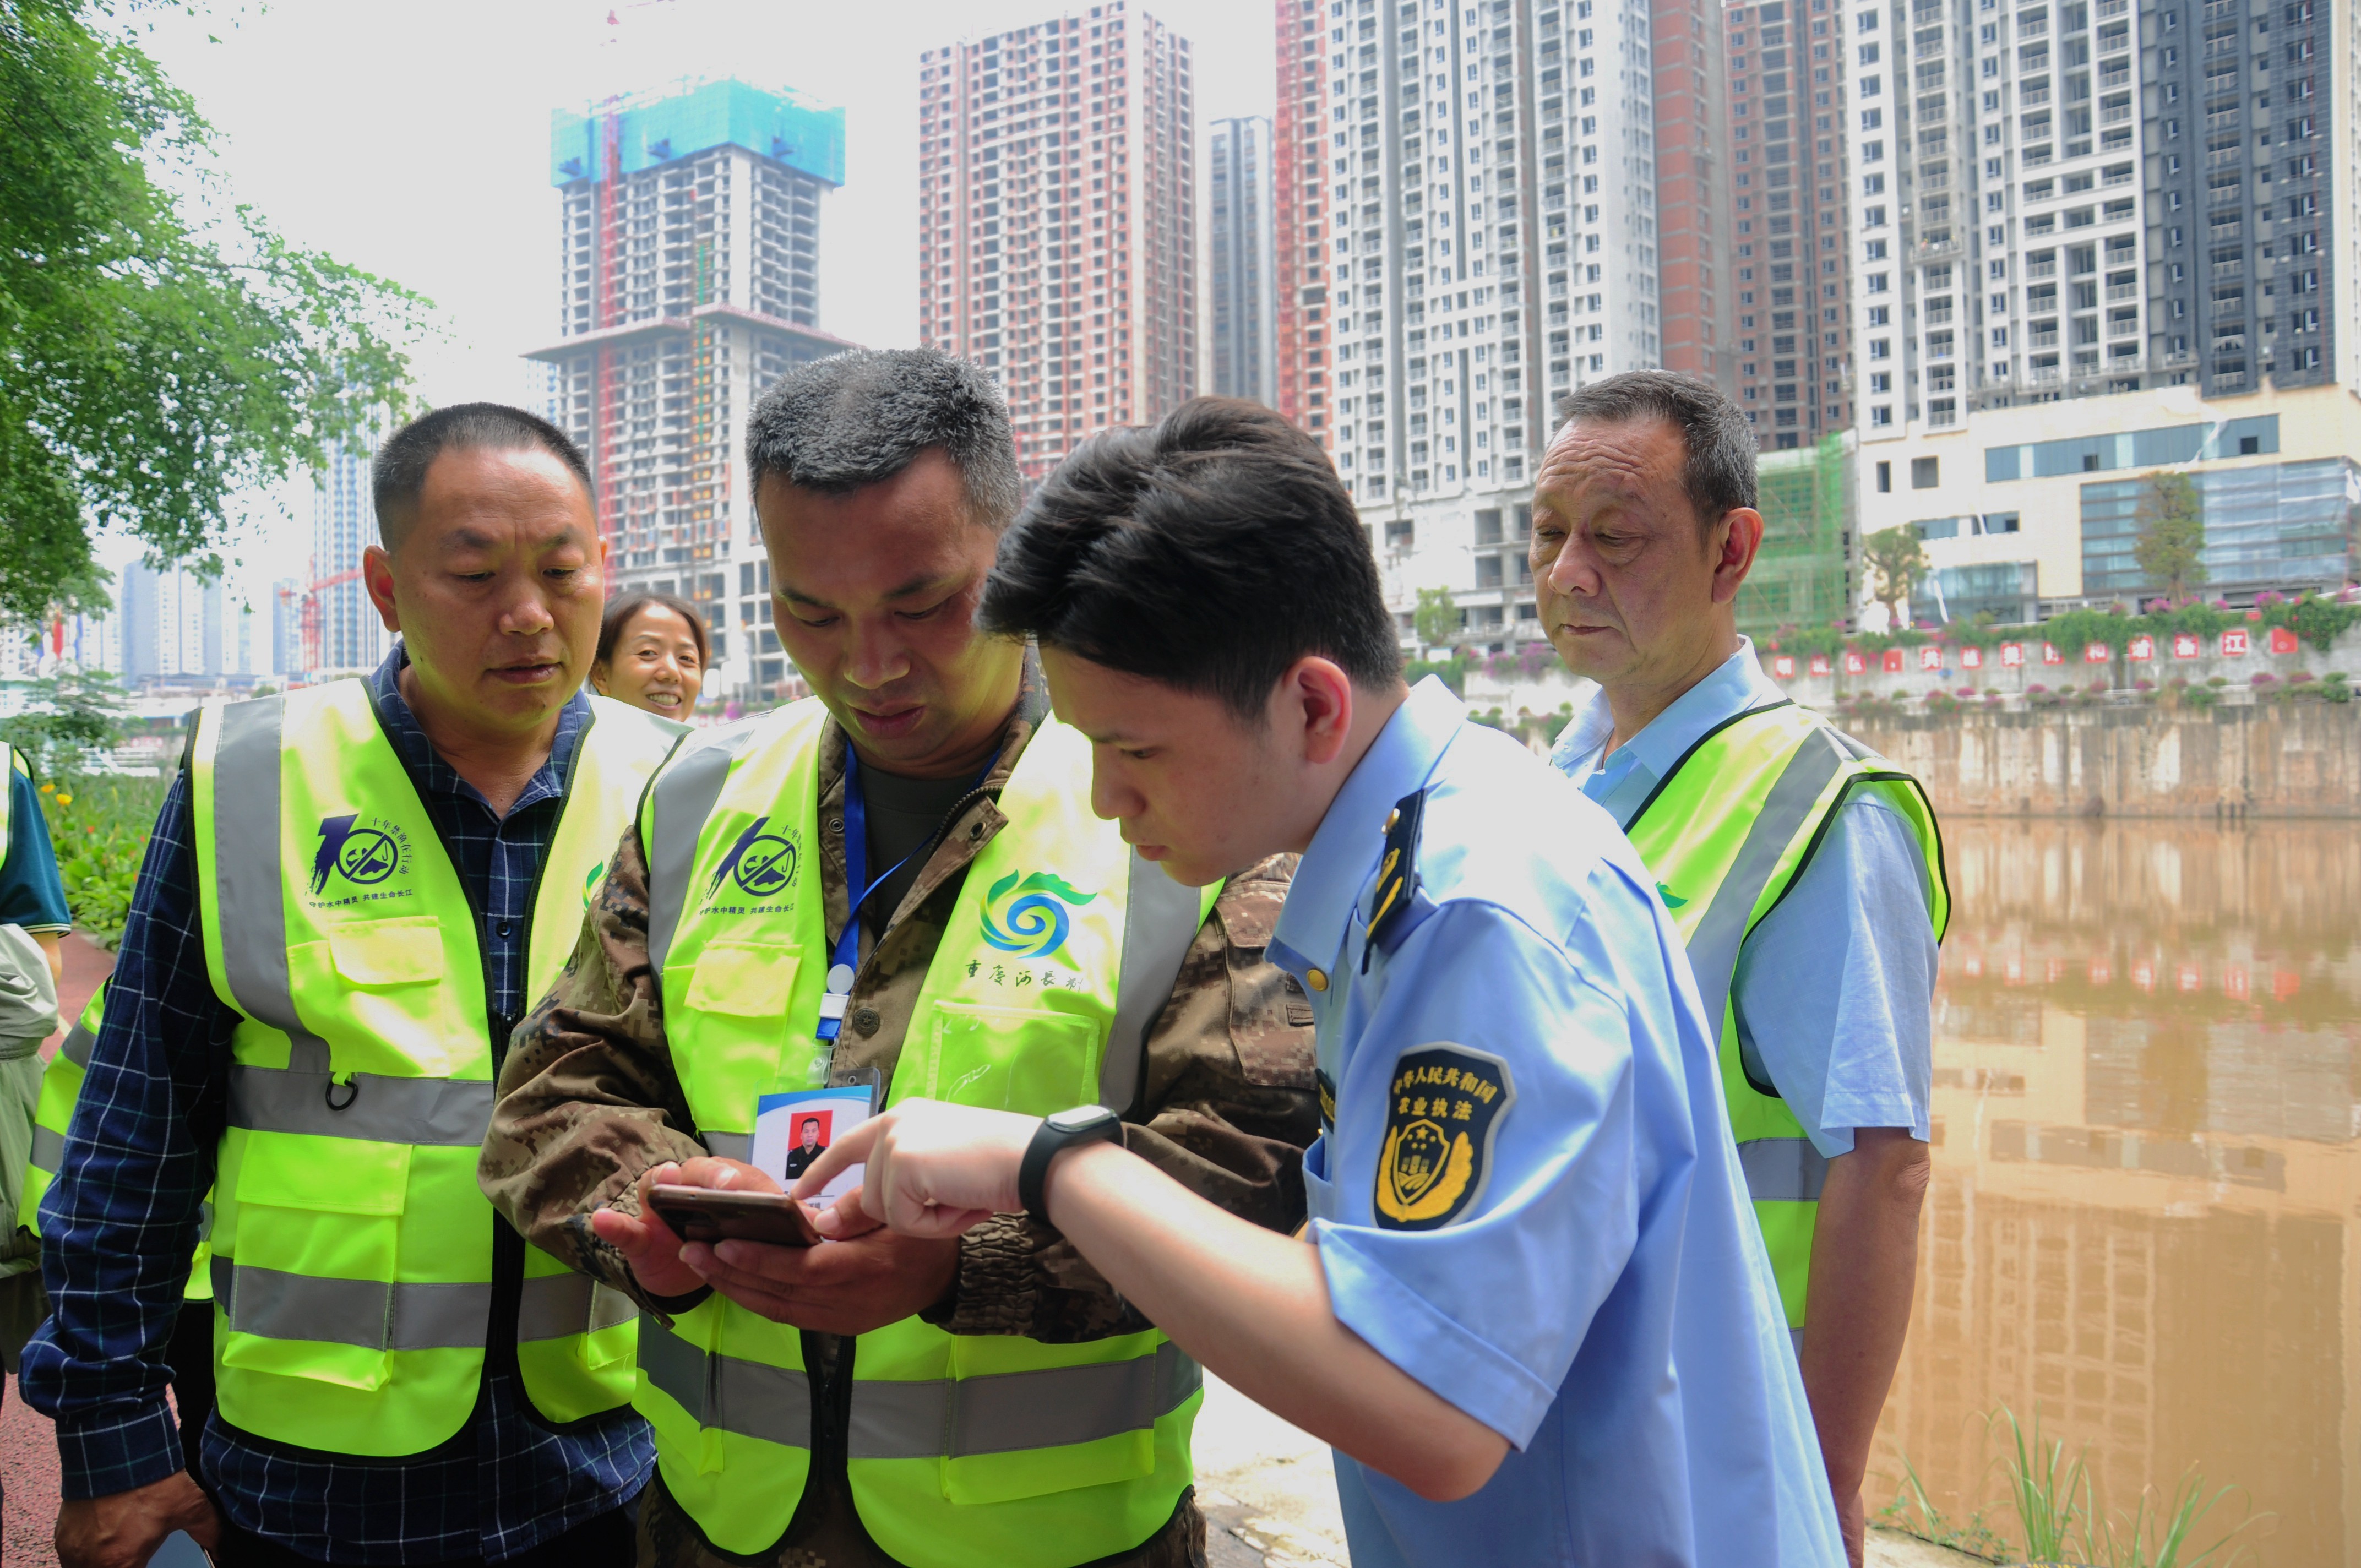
[(2267, 759)]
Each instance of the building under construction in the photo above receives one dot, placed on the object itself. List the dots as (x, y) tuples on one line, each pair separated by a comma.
[(688, 282), (1806, 575)]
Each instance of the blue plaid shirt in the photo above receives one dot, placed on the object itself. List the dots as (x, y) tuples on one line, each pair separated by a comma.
[(121, 1220)]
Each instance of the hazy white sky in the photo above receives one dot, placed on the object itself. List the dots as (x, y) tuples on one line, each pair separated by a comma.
[(413, 141)]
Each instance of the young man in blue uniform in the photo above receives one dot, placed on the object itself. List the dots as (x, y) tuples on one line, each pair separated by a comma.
[(1530, 1310)]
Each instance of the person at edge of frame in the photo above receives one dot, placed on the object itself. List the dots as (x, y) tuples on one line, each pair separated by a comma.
[(1529, 1311), (353, 890), (1805, 873), (34, 920), (907, 869)]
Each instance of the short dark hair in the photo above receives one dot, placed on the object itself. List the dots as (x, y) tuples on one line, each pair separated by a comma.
[(856, 418), (1719, 472), (399, 474), (1210, 552), (809, 1122), (623, 606)]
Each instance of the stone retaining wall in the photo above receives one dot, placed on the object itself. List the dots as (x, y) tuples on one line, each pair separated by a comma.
[(2265, 759)]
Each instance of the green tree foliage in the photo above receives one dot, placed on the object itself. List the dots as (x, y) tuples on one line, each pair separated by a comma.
[(1436, 620), (64, 714), (2170, 546), (160, 347), (1896, 561)]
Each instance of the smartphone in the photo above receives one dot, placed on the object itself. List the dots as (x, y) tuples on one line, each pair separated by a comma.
[(180, 1551), (709, 1215)]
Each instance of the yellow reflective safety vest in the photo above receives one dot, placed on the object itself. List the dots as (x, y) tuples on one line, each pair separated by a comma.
[(1061, 951), (62, 1082), (1726, 834), (358, 1270)]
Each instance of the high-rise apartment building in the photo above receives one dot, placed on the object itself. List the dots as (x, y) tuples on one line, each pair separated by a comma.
[(1468, 200), (286, 628), (1787, 203), (352, 635), (689, 255), (1056, 214), (2093, 240), (173, 625), (1242, 283)]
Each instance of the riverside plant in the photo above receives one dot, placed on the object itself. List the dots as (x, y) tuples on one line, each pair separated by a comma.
[(2059, 1521)]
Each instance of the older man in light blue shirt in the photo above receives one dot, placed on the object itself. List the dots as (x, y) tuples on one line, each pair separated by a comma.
[(1804, 871)]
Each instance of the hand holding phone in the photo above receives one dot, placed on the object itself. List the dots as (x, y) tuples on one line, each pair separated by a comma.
[(712, 1214)]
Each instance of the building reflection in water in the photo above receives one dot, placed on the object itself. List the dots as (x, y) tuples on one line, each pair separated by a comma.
[(2145, 1118)]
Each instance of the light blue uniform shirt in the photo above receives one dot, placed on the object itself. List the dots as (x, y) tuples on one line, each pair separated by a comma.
[(1835, 987), (1592, 1287)]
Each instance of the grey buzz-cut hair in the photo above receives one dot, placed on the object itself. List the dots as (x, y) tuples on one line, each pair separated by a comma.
[(1719, 472), (856, 418)]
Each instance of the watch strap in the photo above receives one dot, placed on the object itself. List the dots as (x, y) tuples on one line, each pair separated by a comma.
[(1052, 1138)]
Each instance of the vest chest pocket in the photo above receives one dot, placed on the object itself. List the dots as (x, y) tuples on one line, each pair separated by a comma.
[(383, 1008), (1006, 1059), (733, 1026)]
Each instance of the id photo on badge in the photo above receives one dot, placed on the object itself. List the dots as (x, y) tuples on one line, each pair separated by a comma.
[(791, 1130)]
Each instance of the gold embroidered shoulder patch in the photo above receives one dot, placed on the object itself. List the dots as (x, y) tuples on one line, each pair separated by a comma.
[(1445, 1103)]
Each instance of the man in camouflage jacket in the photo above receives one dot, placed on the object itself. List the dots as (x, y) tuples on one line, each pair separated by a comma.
[(590, 1098)]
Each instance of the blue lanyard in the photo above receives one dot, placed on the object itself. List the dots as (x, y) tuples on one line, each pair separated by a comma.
[(844, 961)]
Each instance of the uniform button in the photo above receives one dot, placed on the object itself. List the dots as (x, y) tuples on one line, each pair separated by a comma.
[(1394, 819), (504, 930), (1316, 979), (836, 824), (866, 1021)]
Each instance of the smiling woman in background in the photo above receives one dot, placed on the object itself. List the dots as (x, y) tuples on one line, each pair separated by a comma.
[(651, 654)]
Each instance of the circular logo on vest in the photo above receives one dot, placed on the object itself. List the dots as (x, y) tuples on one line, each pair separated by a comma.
[(359, 857), (368, 856), (1027, 914), (761, 863)]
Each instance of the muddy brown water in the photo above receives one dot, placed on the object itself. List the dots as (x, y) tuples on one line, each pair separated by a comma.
[(2148, 1172)]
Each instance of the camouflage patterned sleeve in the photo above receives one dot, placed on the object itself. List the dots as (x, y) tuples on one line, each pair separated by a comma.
[(588, 1097), (1227, 1109)]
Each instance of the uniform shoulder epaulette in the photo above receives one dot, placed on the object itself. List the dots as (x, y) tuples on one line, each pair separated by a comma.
[(1397, 874)]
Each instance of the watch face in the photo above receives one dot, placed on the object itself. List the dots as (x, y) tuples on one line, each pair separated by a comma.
[(1076, 1119)]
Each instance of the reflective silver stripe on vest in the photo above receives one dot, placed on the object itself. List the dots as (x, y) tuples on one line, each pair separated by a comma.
[(559, 1306), (444, 1112), (49, 1149), (371, 1313), (76, 1049), (1783, 1171), (1713, 950), (248, 878), (725, 1393), (739, 1146), (1160, 920), (686, 795), (1018, 1410)]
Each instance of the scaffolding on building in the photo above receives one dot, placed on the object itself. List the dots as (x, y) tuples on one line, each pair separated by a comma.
[(1807, 572)]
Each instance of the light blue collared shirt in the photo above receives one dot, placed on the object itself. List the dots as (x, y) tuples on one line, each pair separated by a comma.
[(1595, 1288), (1835, 987)]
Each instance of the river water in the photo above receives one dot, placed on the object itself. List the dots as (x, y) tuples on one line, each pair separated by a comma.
[(2148, 1172)]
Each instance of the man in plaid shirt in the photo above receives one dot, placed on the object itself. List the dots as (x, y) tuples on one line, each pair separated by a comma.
[(495, 582)]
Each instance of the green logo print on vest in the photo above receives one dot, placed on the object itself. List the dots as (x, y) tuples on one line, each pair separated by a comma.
[(1672, 900), (1026, 916)]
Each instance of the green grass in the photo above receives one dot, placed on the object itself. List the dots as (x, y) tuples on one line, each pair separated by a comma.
[(99, 826), (2059, 1520)]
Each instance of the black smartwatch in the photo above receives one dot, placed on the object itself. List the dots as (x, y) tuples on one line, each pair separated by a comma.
[(1059, 1131)]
